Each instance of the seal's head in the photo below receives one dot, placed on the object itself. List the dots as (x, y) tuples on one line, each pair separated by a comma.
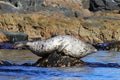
[(18, 45)]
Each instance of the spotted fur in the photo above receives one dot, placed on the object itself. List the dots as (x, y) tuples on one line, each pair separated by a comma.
[(66, 44)]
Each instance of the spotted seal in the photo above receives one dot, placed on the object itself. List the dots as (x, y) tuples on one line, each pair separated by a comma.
[(67, 44)]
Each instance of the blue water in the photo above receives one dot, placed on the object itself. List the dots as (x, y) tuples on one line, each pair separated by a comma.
[(36, 73), (68, 73)]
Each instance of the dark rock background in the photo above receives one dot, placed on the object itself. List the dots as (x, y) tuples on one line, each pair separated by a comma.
[(103, 5), (28, 6)]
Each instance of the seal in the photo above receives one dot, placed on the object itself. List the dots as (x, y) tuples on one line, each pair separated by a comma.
[(67, 44)]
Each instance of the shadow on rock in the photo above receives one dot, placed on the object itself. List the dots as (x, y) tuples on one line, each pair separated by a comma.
[(58, 60)]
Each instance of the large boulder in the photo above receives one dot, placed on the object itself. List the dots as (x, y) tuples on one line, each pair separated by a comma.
[(110, 45), (7, 7), (58, 60), (28, 6), (66, 7)]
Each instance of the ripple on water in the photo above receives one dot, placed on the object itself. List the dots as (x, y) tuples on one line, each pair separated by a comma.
[(74, 73)]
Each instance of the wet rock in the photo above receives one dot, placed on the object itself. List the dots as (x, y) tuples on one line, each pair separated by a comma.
[(28, 6), (13, 36), (58, 60)]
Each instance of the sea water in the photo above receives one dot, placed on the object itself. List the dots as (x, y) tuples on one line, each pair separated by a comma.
[(102, 65)]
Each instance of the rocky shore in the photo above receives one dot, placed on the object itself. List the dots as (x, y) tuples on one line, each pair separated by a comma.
[(59, 17), (94, 21)]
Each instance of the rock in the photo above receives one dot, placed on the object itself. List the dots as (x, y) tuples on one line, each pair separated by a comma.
[(73, 4), (117, 1), (112, 5), (96, 5), (15, 36), (110, 45), (28, 6), (58, 60), (6, 7), (66, 7)]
